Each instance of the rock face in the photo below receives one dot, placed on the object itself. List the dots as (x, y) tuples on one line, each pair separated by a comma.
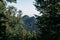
[(29, 22)]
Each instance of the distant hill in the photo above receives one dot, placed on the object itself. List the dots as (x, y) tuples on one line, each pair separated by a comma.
[(29, 22)]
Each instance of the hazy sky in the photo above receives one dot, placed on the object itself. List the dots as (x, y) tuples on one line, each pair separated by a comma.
[(26, 6)]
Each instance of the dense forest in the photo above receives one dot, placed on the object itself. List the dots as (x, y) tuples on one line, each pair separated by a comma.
[(14, 26)]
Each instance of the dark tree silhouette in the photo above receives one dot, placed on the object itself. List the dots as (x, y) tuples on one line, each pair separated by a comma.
[(49, 21)]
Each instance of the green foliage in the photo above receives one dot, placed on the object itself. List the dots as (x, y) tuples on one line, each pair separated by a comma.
[(3, 20), (11, 0), (48, 5), (12, 26), (12, 10), (48, 22)]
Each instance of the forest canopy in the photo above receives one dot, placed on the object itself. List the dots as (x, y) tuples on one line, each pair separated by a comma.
[(14, 26)]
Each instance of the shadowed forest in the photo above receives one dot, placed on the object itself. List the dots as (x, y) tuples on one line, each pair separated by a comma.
[(14, 26)]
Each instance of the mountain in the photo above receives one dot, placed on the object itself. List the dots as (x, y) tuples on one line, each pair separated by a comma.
[(29, 22)]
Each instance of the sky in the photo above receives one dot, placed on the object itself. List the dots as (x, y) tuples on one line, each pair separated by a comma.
[(26, 6)]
